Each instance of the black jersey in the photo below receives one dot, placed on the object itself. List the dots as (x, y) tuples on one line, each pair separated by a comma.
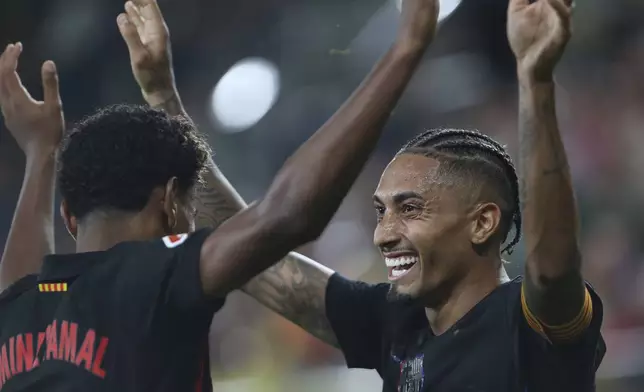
[(490, 349), (132, 318)]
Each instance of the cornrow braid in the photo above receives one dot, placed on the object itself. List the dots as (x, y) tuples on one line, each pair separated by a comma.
[(470, 146)]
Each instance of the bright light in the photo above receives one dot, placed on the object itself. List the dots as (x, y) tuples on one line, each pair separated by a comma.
[(245, 94), (446, 7)]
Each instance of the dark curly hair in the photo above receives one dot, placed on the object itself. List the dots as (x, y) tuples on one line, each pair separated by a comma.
[(113, 159), (482, 161)]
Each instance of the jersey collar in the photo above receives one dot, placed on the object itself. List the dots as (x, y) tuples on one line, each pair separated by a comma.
[(61, 267)]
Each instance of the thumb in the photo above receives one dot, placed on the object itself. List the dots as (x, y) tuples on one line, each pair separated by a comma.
[(50, 83), (130, 35)]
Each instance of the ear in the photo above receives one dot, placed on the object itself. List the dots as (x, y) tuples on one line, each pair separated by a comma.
[(170, 202), (486, 219), (70, 221)]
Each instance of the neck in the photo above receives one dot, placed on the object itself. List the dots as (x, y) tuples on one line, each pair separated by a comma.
[(468, 292), (99, 232)]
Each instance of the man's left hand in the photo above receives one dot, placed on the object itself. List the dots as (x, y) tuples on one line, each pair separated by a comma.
[(538, 33)]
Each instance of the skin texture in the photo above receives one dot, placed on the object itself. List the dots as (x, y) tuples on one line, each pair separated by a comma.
[(554, 287), (37, 127), (351, 134)]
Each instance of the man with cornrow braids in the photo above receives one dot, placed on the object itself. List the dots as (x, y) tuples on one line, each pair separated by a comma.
[(445, 206)]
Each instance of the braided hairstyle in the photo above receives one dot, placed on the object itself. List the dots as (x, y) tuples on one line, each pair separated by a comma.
[(482, 161)]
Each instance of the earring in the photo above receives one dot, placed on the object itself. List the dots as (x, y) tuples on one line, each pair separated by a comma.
[(174, 219)]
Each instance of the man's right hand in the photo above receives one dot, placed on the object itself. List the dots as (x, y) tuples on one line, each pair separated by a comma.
[(37, 126), (418, 23), (148, 41)]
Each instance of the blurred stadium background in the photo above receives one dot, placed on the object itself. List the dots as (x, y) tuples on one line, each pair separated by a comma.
[(319, 51)]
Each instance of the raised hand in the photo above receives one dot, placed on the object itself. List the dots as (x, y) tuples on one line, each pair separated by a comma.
[(538, 33), (148, 41), (37, 126), (419, 21)]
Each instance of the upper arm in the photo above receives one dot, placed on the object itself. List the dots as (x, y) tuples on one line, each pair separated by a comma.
[(559, 308), (355, 312), (245, 245), (295, 288), (563, 357)]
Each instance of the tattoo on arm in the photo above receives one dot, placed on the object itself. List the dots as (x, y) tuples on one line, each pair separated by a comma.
[(296, 289), (554, 286), (216, 200), (173, 106)]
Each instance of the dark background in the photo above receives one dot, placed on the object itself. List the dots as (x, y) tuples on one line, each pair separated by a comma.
[(322, 49)]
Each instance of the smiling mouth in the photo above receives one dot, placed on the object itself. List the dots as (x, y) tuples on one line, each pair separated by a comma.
[(400, 266)]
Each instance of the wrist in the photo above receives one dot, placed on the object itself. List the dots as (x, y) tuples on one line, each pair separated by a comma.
[(41, 156), (158, 98), (529, 75)]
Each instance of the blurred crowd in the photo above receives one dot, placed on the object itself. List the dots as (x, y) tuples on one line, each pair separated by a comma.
[(323, 49)]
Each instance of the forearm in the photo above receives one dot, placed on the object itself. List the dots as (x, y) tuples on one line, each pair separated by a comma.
[(348, 137), (31, 236), (216, 200), (555, 291), (168, 100), (296, 289)]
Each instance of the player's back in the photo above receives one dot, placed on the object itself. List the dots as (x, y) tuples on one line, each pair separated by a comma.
[(130, 318)]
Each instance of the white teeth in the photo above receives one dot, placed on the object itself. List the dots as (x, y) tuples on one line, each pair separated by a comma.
[(398, 261), (396, 273)]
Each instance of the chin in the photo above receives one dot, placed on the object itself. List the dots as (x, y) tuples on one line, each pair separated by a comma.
[(412, 289)]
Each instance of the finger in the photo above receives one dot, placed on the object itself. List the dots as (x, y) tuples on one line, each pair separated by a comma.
[(3, 56), (130, 35), (11, 85), (562, 10), (516, 5), (150, 10), (3, 60), (134, 14), (50, 83)]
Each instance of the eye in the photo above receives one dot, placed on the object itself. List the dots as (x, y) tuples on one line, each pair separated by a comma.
[(408, 208), (380, 211)]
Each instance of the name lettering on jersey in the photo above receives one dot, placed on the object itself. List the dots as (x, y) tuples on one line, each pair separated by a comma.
[(172, 241), (52, 287), (412, 375), (61, 341)]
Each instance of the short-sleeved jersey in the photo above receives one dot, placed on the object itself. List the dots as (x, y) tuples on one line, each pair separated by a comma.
[(132, 318), (491, 349)]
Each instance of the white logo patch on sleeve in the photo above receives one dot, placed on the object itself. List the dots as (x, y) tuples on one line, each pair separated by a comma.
[(172, 241)]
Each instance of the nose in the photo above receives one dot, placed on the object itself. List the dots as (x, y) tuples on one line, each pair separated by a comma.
[(386, 236)]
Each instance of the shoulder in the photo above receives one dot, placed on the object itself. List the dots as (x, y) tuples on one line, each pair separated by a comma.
[(23, 285)]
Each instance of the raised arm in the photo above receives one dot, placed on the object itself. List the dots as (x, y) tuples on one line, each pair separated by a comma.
[(148, 41), (296, 286), (554, 295), (37, 126), (313, 182)]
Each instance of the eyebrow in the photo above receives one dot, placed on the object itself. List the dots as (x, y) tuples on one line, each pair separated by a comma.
[(399, 198)]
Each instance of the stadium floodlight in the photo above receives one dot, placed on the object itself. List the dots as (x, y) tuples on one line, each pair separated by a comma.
[(245, 94)]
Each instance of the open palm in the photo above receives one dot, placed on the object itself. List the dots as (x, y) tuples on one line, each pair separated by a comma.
[(538, 33), (36, 125), (148, 40)]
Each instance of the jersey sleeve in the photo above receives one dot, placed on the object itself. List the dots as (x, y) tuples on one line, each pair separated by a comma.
[(556, 358), (164, 276), (355, 312)]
